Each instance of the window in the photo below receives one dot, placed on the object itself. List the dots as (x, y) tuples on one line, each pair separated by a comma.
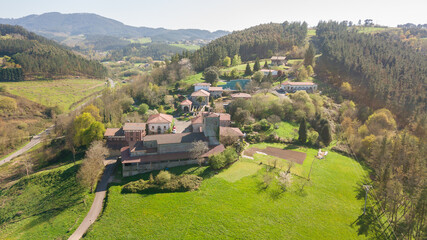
[(164, 127)]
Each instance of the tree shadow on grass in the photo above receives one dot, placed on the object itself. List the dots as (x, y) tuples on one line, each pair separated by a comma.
[(64, 196), (368, 224), (291, 146)]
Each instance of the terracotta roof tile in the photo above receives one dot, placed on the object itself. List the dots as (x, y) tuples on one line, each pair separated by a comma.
[(176, 138), (201, 93), (186, 102), (160, 118), (241, 95), (133, 126), (230, 131), (114, 132)]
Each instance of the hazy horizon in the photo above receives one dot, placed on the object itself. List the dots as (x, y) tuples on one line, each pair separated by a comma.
[(227, 15)]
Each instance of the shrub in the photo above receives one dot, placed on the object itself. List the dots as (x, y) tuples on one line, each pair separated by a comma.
[(164, 182), (163, 177), (7, 104), (262, 125), (223, 159), (217, 161)]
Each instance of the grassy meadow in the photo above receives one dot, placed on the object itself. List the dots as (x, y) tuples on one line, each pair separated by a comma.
[(237, 204), (45, 205), (189, 47), (62, 93)]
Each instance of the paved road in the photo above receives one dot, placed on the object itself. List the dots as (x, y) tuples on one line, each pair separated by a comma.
[(96, 207), (34, 141)]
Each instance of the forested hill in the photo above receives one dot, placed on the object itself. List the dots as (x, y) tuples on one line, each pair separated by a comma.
[(59, 26), (38, 57), (383, 70), (260, 41)]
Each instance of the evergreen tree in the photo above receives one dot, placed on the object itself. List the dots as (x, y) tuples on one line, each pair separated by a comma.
[(257, 66), (266, 65), (248, 70), (309, 55), (302, 132), (325, 134)]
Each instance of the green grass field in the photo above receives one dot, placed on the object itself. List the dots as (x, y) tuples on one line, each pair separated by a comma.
[(140, 40), (45, 205), (286, 130), (62, 93), (196, 78), (236, 204), (186, 46)]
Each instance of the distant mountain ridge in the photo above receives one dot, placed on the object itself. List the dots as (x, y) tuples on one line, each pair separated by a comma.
[(58, 26)]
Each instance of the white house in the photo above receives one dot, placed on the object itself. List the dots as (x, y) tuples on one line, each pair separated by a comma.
[(204, 86), (266, 71), (159, 123), (297, 86)]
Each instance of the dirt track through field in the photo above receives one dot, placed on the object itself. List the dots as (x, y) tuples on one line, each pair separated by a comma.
[(294, 156)]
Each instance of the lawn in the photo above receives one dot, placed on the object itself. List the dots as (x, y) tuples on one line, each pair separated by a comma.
[(189, 47), (45, 205), (193, 79), (236, 204), (62, 93), (286, 130), (140, 40)]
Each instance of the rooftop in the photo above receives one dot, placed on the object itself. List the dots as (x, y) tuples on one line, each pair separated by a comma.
[(200, 93), (197, 120), (224, 117), (186, 102), (215, 150), (216, 89), (134, 127), (241, 95), (230, 131), (160, 118), (202, 84), (114, 132), (298, 83), (278, 58), (176, 138)]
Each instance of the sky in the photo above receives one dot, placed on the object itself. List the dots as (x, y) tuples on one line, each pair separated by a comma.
[(226, 14)]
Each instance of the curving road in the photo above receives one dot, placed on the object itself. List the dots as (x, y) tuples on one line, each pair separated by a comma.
[(34, 141), (96, 208)]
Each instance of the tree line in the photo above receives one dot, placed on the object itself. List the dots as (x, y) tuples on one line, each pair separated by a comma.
[(382, 70), (260, 41), (41, 57)]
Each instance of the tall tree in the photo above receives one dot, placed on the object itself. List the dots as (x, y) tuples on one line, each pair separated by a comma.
[(248, 70), (266, 65), (257, 66), (197, 150), (309, 55), (302, 132)]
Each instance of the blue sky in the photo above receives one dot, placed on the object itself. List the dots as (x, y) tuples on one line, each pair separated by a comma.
[(226, 14)]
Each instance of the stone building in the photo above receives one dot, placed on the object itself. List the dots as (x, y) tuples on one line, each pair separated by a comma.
[(159, 123), (298, 86)]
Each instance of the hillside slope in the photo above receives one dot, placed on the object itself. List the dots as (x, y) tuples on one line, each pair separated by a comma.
[(42, 58), (57, 26), (261, 41)]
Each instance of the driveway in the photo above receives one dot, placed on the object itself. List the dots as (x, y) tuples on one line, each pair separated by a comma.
[(182, 126), (96, 208)]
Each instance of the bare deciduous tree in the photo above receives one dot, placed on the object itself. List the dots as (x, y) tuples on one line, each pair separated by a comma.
[(197, 150), (92, 165)]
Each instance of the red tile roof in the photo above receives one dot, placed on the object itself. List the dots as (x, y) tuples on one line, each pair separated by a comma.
[(298, 83), (201, 93), (186, 102), (160, 118), (176, 138), (230, 131), (216, 89), (224, 117), (215, 150), (134, 127), (114, 132), (197, 120)]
